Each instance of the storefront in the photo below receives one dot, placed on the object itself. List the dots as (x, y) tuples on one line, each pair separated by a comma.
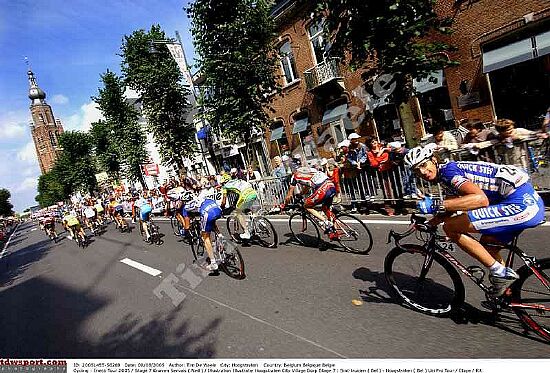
[(519, 75)]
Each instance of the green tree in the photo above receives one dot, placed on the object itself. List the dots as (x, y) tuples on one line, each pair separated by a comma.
[(50, 189), (6, 208), (106, 149), (75, 168), (158, 79), (402, 37), (237, 59), (120, 141)]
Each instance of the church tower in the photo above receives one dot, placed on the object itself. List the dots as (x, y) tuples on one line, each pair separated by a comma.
[(45, 129)]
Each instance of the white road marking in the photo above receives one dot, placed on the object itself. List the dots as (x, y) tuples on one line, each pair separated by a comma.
[(142, 267), (34, 229)]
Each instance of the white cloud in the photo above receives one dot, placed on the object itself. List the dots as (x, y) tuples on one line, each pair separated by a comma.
[(29, 184), (82, 121), (59, 99), (27, 154), (13, 125)]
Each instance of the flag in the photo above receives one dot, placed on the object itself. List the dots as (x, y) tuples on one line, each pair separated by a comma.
[(176, 50)]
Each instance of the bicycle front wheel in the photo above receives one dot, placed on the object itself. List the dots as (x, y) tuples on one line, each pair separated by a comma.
[(353, 234), (265, 232), (304, 230), (531, 298), (438, 293), (233, 263), (234, 228)]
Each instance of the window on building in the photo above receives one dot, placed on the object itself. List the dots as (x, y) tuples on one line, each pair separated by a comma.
[(41, 117), (52, 139), (288, 64), (278, 140), (318, 41)]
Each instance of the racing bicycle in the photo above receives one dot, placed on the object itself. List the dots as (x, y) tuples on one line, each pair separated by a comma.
[(227, 254), (426, 278), (261, 230), (350, 232)]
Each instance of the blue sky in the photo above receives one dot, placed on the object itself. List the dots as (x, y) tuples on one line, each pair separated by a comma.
[(68, 45)]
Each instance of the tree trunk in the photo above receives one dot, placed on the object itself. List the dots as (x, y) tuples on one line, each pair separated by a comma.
[(411, 122)]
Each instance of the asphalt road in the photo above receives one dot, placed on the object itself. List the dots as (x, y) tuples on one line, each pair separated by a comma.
[(57, 300)]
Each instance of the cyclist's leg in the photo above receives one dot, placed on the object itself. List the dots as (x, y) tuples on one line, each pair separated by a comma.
[(326, 190), (144, 218), (456, 228), (208, 224)]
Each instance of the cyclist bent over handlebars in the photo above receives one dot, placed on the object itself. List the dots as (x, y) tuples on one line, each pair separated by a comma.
[(317, 188), (498, 201)]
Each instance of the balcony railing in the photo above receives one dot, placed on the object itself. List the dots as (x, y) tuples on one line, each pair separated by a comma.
[(324, 72)]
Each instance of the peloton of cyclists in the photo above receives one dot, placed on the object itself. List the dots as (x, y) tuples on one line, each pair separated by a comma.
[(498, 201)]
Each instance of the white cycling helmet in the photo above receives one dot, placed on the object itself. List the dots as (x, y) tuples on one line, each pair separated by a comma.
[(419, 154)]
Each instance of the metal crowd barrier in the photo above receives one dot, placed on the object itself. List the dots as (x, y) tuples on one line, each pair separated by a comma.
[(399, 184)]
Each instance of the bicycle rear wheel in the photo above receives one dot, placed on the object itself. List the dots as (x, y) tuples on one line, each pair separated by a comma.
[(438, 294), (304, 230), (234, 228), (353, 234), (532, 297), (265, 232), (232, 262)]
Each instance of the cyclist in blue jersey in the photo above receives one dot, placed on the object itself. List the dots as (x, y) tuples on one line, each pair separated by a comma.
[(209, 211), (498, 201), (145, 207)]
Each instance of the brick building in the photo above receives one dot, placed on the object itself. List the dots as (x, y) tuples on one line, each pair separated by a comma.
[(504, 55), (503, 48), (45, 129)]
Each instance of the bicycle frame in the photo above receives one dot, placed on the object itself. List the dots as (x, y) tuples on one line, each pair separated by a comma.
[(431, 245)]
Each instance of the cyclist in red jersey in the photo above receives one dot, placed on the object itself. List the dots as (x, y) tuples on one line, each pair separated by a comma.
[(317, 188)]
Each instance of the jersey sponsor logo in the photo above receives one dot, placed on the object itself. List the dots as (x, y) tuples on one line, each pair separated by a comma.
[(476, 167), (496, 211), (529, 200)]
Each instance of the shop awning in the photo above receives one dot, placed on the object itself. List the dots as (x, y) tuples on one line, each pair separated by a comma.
[(508, 55), (334, 114), (277, 133), (424, 85), (300, 125), (543, 43)]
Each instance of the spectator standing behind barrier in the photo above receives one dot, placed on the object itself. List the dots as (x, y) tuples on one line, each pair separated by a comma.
[(507, 152), (379, 159), (349, 173), (476, 133), (279, 168), (397, 154), (357, 156), (444, 139)]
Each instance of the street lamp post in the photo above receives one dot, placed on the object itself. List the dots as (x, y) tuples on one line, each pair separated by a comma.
[(178, 53)]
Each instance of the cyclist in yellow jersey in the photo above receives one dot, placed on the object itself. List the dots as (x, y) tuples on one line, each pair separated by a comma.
[(246, 198), (73, 224), (99, 209)]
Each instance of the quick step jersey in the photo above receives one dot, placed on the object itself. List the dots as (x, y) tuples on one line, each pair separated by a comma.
[(496, 181)]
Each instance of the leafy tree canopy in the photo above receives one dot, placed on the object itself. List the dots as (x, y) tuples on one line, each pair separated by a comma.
[(50, 189), (75, 168), (119, 140), (237, 59), (399, 35), (156, 76), (6, 208)]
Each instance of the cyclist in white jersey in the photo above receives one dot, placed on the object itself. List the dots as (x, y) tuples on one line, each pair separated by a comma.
[(498, 200)]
